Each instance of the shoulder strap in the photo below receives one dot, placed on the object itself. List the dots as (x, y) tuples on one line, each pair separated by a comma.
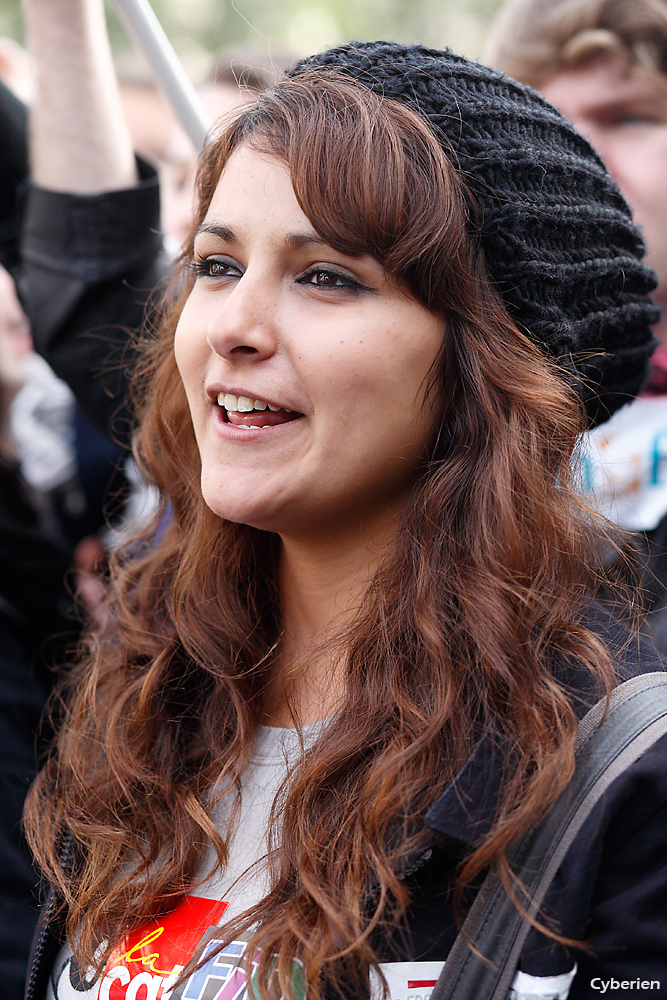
[(636, 719)]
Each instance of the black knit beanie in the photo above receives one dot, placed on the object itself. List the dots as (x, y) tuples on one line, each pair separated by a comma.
[(558, 237)]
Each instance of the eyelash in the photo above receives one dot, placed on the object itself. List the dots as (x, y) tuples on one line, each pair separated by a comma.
[(201, 266), (346, 281)]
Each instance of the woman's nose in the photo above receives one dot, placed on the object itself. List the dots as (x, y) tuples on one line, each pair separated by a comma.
[(246, 322)]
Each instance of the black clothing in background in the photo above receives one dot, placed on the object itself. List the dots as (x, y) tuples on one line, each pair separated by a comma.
[(35, 626), (90, 263), (22, 695), (32, 567), (36, 622), (13, 171)]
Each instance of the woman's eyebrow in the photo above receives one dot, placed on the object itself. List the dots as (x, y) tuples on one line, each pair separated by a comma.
[(223, 232), (293, 240), (297, 240)]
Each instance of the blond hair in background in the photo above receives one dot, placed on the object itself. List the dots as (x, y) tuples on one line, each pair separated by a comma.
[(532, 40)]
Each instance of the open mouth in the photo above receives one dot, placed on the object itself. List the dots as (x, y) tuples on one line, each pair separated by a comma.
[(244, 412)]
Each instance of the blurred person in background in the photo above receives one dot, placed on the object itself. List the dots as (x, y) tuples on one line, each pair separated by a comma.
[(603, 63), (13, 171), (69, 463), (92, 247), (157, 136), (16, 69), (15, 349), (234, 79), (81, 290), (55, 468), (36, 623)]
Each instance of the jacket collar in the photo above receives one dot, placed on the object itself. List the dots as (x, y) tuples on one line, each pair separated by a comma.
[(466, 809)]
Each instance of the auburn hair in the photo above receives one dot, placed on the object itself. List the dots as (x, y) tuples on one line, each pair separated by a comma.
[(457, 634)]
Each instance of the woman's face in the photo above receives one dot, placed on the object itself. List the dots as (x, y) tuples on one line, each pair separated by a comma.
[(306, 371)]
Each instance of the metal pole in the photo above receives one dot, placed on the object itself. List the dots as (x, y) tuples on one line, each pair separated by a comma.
[(148, 35)]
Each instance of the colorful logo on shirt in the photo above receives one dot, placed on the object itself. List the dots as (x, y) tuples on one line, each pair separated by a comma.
[(148, 962)]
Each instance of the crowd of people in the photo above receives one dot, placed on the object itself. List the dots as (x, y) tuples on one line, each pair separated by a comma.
[(386, 373)]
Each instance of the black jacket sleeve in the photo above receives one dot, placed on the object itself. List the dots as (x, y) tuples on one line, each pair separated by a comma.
[(90, 265), (13, 171)]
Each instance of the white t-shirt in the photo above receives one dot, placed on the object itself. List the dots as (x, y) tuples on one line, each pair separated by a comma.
[(146, 965)]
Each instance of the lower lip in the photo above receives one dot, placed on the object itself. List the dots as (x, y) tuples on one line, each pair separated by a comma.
[(233, 433)]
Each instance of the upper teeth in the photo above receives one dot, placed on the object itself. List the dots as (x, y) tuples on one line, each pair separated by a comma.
[(244, 404)]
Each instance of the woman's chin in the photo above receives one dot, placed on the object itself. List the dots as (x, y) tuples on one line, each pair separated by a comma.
[(256, 512)]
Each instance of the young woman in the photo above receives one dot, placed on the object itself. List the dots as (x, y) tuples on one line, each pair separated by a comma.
[(347, 676)]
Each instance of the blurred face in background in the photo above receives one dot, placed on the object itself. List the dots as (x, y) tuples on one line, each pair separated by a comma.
[(177, 174), (158, 136), (623, 112), (15, 340)]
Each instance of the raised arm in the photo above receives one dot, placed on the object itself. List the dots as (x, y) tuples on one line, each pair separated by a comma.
[(79, 140), (91, 242)]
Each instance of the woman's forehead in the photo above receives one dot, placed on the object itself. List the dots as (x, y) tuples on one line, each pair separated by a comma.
[(257, 187)]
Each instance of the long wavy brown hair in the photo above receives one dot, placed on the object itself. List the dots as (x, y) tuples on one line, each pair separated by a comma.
[(457, 634)]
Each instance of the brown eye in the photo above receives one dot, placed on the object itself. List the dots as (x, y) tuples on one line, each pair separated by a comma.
[(325, 277), (215, 267)]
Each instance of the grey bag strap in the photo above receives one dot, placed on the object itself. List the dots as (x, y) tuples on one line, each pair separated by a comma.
[(636, 719)]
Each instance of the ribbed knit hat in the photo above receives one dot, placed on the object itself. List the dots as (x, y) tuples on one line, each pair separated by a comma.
[(558, 237)]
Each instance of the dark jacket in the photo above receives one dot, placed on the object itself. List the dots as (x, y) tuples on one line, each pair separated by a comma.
[(90, 264), (611, 889), (36, 625), (13, 171)]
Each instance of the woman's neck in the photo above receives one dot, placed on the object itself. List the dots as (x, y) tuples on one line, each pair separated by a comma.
[(322, 584)]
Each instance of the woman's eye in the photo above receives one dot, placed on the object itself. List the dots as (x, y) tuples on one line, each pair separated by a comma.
[(215, 267), (630, 118), (323, 277)]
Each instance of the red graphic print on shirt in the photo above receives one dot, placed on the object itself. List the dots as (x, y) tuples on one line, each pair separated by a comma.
[(146, 965)]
